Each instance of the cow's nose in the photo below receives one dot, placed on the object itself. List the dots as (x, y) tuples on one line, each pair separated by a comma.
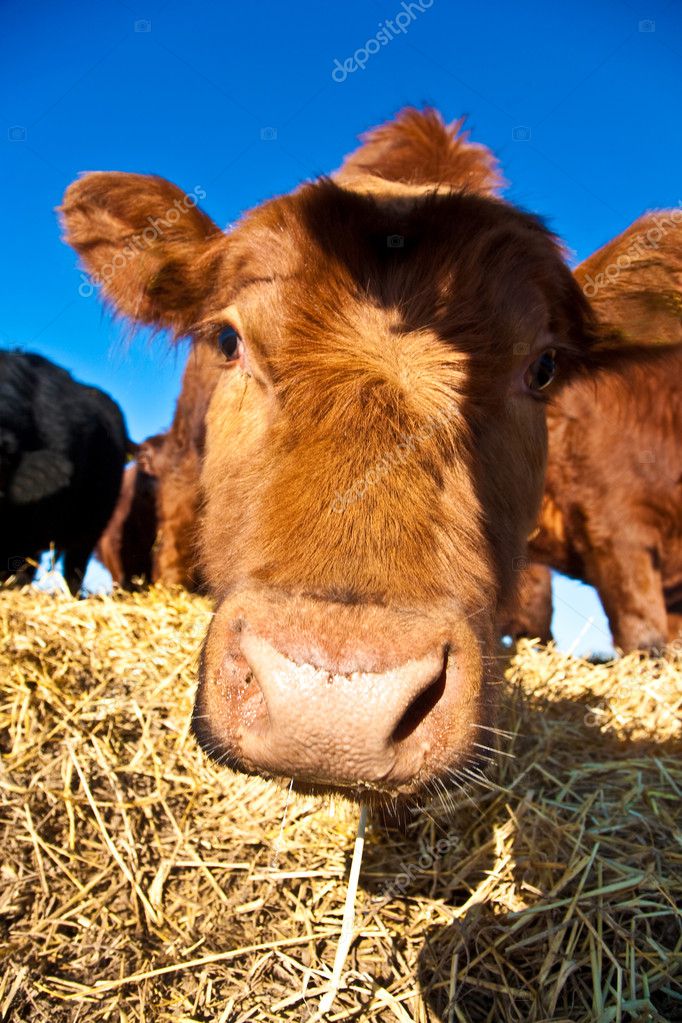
[(349, 729)]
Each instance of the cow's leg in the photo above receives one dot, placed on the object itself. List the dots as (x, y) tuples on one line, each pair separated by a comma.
[(675, 627), (75, 563), (531, 615), (534, 608), (674, 606), (631, 590)]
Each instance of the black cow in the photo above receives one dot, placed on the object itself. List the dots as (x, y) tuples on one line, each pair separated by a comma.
[(62, 451)]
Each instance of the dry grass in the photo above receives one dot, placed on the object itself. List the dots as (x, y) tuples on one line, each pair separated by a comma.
[(139, 882)]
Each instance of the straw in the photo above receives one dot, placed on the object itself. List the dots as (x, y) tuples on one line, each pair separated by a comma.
[(348, 915), (142, 883)]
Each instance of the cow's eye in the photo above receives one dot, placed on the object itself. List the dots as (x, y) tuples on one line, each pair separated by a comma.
[(541, 372), (229, 343)]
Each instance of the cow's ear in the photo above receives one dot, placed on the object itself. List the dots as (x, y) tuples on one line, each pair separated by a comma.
[(634, 282), (613, 354), (146, 244)]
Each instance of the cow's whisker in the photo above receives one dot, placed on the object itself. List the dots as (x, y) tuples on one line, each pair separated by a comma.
[(493, 729), (492, 749)]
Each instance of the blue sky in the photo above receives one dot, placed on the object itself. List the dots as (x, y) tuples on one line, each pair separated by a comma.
[(580, 102)]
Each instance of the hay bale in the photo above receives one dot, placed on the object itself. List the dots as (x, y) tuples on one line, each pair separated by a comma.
[(139, 882)]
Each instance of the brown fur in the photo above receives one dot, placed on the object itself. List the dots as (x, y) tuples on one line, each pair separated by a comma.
[(614, 474), (176, 463), (125, 547), (634, 282), (531, 617), (612, 512), (373, 464), (446, 156)]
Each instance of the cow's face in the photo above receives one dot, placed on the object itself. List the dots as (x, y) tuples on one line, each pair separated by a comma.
[(374, 460), (152, 455)]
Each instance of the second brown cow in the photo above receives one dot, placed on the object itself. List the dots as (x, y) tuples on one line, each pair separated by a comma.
[(612, 512), (153, 535)]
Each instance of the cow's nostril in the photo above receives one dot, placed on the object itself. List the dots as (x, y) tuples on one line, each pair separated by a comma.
[(421, 707)]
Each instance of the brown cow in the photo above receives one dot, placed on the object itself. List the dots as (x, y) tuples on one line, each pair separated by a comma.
[(153, 533), (176, 463), (126, 547), (612, 514), (375, 446)]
